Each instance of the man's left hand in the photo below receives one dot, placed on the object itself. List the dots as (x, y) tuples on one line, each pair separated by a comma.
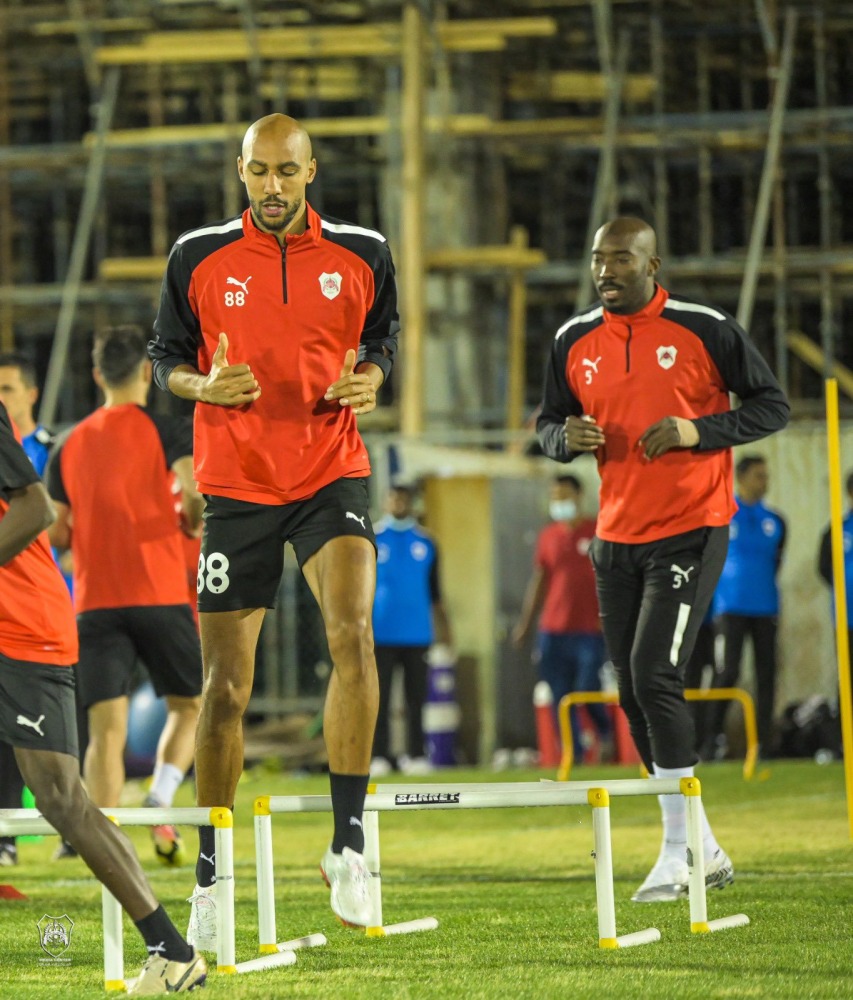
[(356, 389), (669, 433)]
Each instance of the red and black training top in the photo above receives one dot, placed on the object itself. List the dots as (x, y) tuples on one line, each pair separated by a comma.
[(113, 471), (676, 358), (36, 618), (291, 312)]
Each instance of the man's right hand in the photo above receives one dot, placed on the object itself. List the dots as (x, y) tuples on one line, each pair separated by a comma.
[(582, 433), (228, 385)]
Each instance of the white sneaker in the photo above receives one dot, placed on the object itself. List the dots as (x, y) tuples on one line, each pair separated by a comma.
[(380, 767), (665, 882), (415, 765), (719, 871), (160, 976), (201, 931), (347, 876)]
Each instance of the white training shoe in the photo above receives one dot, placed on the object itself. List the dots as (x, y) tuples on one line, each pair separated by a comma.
[(160, 976), (719, 871), (380, 767), (415, 765), (201, 931), (347, 876), (665, 882)]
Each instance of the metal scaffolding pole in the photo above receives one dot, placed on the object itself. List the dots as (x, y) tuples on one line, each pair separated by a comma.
[(758, 235), (824, 184), (606, 173), (79, 249), (517, 337), (661, 176), (412, 263)]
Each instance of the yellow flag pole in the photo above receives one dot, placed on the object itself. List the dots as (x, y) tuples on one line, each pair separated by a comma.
[(839, 588)]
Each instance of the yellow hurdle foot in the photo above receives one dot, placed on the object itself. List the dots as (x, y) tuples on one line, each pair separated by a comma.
[(720, 924)]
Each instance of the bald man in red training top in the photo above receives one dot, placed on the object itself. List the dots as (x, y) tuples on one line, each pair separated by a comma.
[(642, 381), (282, 324)]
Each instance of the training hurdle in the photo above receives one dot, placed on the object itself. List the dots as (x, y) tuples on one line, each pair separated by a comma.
[(499, 795), (14, 822), (690, 694)]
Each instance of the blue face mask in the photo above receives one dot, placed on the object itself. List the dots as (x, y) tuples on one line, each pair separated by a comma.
[(563, 510)]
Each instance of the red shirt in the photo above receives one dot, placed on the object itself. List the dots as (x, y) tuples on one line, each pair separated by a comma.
[(37, 621), (673, 358), (113, 470), (570, 604), (290, 312)]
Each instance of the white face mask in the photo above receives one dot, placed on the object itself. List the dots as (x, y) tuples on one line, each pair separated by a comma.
[(563, 510)]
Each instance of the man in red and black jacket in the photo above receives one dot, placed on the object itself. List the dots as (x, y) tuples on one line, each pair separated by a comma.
[(282, 325), (643, 381)]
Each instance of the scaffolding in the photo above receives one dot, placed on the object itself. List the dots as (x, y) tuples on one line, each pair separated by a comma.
[(488, 149)]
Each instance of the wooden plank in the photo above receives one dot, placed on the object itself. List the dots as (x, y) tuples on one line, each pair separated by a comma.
[(809, 352), (511, 27), (566, 85), (486, 258), (132, 268), (366, 125), (376, 40), (103, 25), (574, 133), (187, 53)]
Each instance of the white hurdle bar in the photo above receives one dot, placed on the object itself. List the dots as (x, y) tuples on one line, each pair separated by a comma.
[(16, 822), (382, 798)]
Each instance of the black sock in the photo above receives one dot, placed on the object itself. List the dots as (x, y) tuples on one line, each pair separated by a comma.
[(205, 867), (162, 937), (348, 792)]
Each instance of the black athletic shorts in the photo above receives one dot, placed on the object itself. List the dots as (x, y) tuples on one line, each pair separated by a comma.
[(164, 637), (37, 707), (242, 545)]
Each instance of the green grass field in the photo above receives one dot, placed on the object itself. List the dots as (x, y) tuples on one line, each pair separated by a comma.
[(514, 892)]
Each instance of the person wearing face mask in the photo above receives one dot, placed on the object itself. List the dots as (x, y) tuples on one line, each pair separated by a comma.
[(570, 647), (408, 618)]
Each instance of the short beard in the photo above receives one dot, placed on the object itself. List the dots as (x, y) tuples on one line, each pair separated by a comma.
[(276, 225)]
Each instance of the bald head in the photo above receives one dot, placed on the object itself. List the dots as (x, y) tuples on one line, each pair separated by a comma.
[(624, 264), (276, 165), (277, 128), (629, 228)]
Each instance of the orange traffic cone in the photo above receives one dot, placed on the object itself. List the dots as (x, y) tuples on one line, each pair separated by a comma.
[(547, 737)]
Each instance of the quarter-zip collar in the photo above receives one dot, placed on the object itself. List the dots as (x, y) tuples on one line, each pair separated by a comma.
[(652, 309), (312, 235)]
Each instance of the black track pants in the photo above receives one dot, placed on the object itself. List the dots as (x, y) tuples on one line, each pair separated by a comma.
[(762, 631), (652, 599)]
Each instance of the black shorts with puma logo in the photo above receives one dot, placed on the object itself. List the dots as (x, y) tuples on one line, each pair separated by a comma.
[(37, 710), (242, 546)]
